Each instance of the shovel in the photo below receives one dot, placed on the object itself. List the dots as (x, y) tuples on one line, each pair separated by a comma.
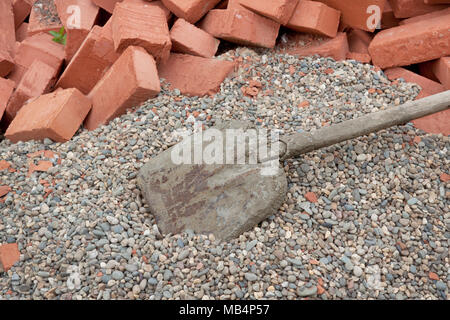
[(229, 199)]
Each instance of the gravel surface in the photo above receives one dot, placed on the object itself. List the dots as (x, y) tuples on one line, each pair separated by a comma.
[(375, 227)]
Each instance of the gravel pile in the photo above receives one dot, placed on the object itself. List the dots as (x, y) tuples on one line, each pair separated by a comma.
[(378, 230)]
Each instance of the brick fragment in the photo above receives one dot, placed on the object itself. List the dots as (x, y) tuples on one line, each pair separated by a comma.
[(56, 116), (7, 37), (95, 56), (195, 76), (359, 41), (107, 5), (22, 9), (241, 26), (187, 38), (315, 17), (9, 255), (426, 16), (411, 43), (43, 17), (131, 80), (190, 10), (144, 26), (388, 19), (22, 32), (361, 57), (412, 8), (78, 18), (4, 190), (278, 10), (6, 90)]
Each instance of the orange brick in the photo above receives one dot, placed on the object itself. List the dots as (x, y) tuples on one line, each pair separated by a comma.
[(92, 60), (38, 79), (9, 255), (6, 90), (241, 26), (7, 37), (411, 43), (190, 10), (425, 17), (315, 17), (107, 5), (22, 32), (412, 8), (195, 76), (278, 10), (359, 41), (434, 123), (159, 4), (187, 38), (77, 28), (4, 190), (43, 17), (131, 80), (355, 13), (22, 9), (56, 116), (388, 19), (145, 26)]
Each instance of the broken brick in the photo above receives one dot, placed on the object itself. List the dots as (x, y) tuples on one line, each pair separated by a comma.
[(6, 90), (43, 17), (131, 80), (195, 76), (77, 28), (7, 37), (315, 17), (411, 43), (107, 5), (412, 8), (4, 190), (359, 41), (9, 255), (56, 116), (357, 56), (141, 25), (441, 69), (22, 32), (190, 10), (427, 16), (187, 38), (95, 56), (388, 19), (444, 177), (311, 197), (278, 10), (21, 9), (4, 165), (241, 26)]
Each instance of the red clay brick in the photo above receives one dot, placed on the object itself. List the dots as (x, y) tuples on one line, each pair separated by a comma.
[(412, 8), (6, 90), (241, 26), (187, 38), (437, 1), (107, 5), (22, 32), (22, 9), (144, 26), (435, 123), (159, 4), (9, 255), (361, 57), (359, 41), (43, 17), (7, 37), (315, 17), (56, 116), (411, 43), (131, 80), (388, 19), (195, 76), (427, 16), (190, 10), (38, 79), (91, 61), (355, 13), (441, 69), (305, 45), (88, 13), (278, 10)]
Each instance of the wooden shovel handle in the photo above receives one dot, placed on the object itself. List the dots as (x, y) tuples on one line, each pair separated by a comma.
[(300, 143)]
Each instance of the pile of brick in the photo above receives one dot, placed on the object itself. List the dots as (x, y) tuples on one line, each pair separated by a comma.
[(117, 51)]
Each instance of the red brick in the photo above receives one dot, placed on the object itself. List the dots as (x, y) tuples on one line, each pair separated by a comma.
[(159, 4), (88, 13), (43, 17), (22, 9), (411, 43), (361, 57), (22, 32), (427, 16), (190, 10), (441, 69), (6, 90), (91, 61), (38, 79), (131, 80), (315, 17), (437, 1), (187, 38), (355, 13), (311, 197), (4, 190), (56, 116), (434, 123), (412, 8), (195, 76), (426, 70), (388, 19), (9, 255), (359, 41), (7, 37), (278, 10), (107, 5), (144, 26), (305, 45), (241, 26)]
